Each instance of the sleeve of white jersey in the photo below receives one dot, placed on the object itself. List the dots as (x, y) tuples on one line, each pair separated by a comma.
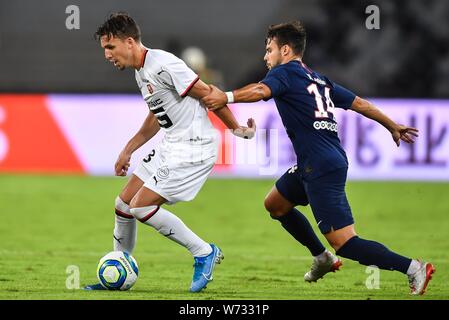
[(182, 76)]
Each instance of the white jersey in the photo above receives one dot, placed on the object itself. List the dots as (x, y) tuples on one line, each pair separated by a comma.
[(164, 81)]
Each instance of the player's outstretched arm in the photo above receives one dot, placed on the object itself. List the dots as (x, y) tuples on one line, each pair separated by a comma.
[(398, 131), (251, 93), (149, 128), (200, 90)]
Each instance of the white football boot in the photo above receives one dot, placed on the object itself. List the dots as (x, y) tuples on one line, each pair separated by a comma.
[(419, 280), (320, 267)]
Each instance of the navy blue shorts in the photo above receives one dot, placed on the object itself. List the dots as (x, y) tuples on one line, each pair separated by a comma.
[(326, 196)]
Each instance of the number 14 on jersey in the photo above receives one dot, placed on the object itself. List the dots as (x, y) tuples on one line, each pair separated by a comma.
[(321, 111)]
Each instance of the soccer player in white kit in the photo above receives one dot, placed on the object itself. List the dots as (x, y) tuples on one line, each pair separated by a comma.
[(177, 169)]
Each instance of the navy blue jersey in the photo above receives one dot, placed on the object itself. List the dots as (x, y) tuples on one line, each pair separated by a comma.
[(306, 101)]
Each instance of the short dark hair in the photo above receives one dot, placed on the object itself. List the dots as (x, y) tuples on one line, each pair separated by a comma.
[(119, 25), (291, 33)]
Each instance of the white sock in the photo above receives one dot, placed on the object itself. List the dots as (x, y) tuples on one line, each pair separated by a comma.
[(169, 225), (125, 228), (322, 257), (413, 267)]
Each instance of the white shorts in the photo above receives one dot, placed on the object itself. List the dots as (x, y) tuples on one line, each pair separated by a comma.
[(174, 181)]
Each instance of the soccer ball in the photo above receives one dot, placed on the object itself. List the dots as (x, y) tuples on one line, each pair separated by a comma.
[(117, 270)]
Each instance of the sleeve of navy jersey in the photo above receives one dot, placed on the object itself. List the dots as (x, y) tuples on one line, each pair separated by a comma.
[(277, 80), (342, 97)]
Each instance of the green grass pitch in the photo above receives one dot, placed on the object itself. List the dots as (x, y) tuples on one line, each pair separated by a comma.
[(51, 222)]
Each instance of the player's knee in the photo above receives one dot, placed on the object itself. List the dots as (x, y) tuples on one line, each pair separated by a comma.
[(273, 209), (121, 205), (268, 205), (122, 209), (140, 202), (144, 213), (124, 197), (134, 203)]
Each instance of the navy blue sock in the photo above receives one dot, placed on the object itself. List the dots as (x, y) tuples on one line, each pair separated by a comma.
[(369, 253), (299, 227)]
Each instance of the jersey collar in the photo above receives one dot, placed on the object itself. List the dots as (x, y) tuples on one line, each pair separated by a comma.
[(144, 55)]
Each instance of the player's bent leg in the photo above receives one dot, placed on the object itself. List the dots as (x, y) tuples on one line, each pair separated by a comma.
[(146, 197), (323, 264), (146, 207), (371, 253), (131, 188), (125, 233), (276, 204), (299, 227), (293, 221)]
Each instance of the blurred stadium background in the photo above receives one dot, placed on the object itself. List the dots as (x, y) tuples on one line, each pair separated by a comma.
[(65, 113)]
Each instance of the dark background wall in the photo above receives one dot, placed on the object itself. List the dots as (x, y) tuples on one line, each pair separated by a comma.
[(407, 57)]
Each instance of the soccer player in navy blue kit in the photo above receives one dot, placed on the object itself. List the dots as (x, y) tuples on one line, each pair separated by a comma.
[(306, 101)]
